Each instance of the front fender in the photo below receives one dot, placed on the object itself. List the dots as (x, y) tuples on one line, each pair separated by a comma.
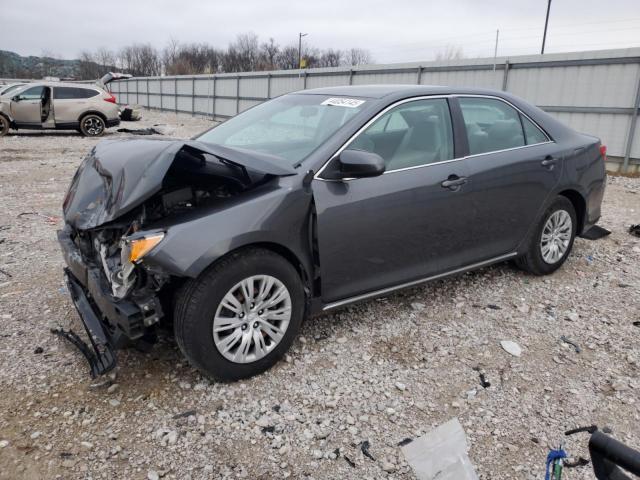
[(280, 217)]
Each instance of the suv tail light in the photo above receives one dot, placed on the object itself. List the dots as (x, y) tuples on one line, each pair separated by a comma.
[(603, 152), (111, 98)]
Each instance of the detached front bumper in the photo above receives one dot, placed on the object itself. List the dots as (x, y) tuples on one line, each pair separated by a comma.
[(110, 323)]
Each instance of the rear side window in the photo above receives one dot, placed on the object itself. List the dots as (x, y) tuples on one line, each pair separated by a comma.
[(491, 125), (532, 133), (412, 134), (67, 93)]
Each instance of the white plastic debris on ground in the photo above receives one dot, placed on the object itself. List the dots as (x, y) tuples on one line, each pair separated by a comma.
[(441, 454)]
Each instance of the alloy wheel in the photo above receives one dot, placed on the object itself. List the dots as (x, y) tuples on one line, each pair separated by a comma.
[(252, 318), (93, 126), (556, 236)]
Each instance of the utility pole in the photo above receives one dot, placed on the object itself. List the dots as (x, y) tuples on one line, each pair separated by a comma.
[(546, 24), (300, 35), (495, 50)]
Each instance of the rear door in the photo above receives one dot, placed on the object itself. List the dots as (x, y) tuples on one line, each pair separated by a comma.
[(26, 110), (409, 223), (513, 165), (70, 102)]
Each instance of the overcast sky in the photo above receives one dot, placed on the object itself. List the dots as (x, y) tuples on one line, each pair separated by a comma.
[(393, 30)]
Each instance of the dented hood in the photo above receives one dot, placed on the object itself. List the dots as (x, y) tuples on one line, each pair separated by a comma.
[(119, 175)]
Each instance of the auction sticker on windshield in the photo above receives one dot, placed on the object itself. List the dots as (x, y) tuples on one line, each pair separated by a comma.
[(343, 102)]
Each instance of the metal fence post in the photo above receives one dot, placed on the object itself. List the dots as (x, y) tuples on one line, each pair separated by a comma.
[(193, 96), (419, 75), (505, 77), (161, 102), (127, 83), (304, 81), (175, 94), (137, 92), (632, 129), (268, 85), (237, 94), (351, 76), (213, 100), (148, 101)]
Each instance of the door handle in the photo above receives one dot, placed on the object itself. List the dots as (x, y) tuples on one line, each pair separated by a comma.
[(549, 162), (454, 182)]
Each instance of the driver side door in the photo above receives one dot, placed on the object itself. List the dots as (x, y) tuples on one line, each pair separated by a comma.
[(407, 224), (26, 109)]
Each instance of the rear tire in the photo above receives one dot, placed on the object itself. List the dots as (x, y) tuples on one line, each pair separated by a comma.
[(92, 125), (205, 328), (4, 125), (552, 240)]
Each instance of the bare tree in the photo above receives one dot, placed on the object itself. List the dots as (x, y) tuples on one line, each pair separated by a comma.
[(288, 57), (268, 55), (450, 52), (331, 58), (140, 60), (357, 56)]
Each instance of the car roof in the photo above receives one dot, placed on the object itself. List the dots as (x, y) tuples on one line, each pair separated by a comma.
[(399, 91), (91, 86)]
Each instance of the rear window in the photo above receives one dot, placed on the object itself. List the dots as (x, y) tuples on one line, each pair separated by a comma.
[(67, 93)]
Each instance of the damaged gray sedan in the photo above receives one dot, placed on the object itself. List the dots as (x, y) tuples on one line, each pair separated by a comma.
[(309, 202)]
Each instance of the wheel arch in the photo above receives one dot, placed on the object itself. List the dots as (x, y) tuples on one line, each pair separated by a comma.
[(277, 248), (93, 112), (579, 205)]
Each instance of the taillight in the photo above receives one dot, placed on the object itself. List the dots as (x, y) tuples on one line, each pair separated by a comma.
[(603, 152), (111, 98)]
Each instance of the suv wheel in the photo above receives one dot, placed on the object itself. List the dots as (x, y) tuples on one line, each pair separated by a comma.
[(241, 315), (552, 239), (92, 125), (4, 125)]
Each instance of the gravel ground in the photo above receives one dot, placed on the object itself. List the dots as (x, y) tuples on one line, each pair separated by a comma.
[(380, 371)]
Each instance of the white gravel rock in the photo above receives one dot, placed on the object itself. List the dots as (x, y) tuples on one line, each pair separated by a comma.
[(511, 347)]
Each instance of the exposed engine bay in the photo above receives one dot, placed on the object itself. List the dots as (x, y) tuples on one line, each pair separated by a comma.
[(192, 182)]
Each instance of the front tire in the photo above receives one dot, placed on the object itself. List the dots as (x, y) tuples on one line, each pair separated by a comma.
[(241, 315), (4, 125), (552, 239), (92, 125)]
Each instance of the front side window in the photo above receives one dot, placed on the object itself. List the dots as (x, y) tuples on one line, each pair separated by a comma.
[(68, 93), (33, 93), (290, 127), (412, 134), (491, 125)]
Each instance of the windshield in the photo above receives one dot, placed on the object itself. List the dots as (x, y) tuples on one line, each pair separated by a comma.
[(290, 127), (9, 89)]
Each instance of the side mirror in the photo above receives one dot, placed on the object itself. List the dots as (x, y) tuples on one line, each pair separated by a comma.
[(17, 98), (359, 164)]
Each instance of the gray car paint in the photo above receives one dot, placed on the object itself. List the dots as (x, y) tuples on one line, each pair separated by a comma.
[(371, 233)]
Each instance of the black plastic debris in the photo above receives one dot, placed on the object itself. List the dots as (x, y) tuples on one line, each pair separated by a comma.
[(364, 446), (186, 414), (494, 307), (276, 408), (268, 429), (635, 230), (572, 343), (636, 323), (595, 233), (405, 441), (483, 380), (581, 462), (349, 461), (140, 131), (38, 350)]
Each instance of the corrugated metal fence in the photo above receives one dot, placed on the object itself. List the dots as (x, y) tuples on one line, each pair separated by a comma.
[(593, 92)]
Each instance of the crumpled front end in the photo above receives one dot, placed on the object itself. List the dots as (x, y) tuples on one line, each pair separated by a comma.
[(122, 201)]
